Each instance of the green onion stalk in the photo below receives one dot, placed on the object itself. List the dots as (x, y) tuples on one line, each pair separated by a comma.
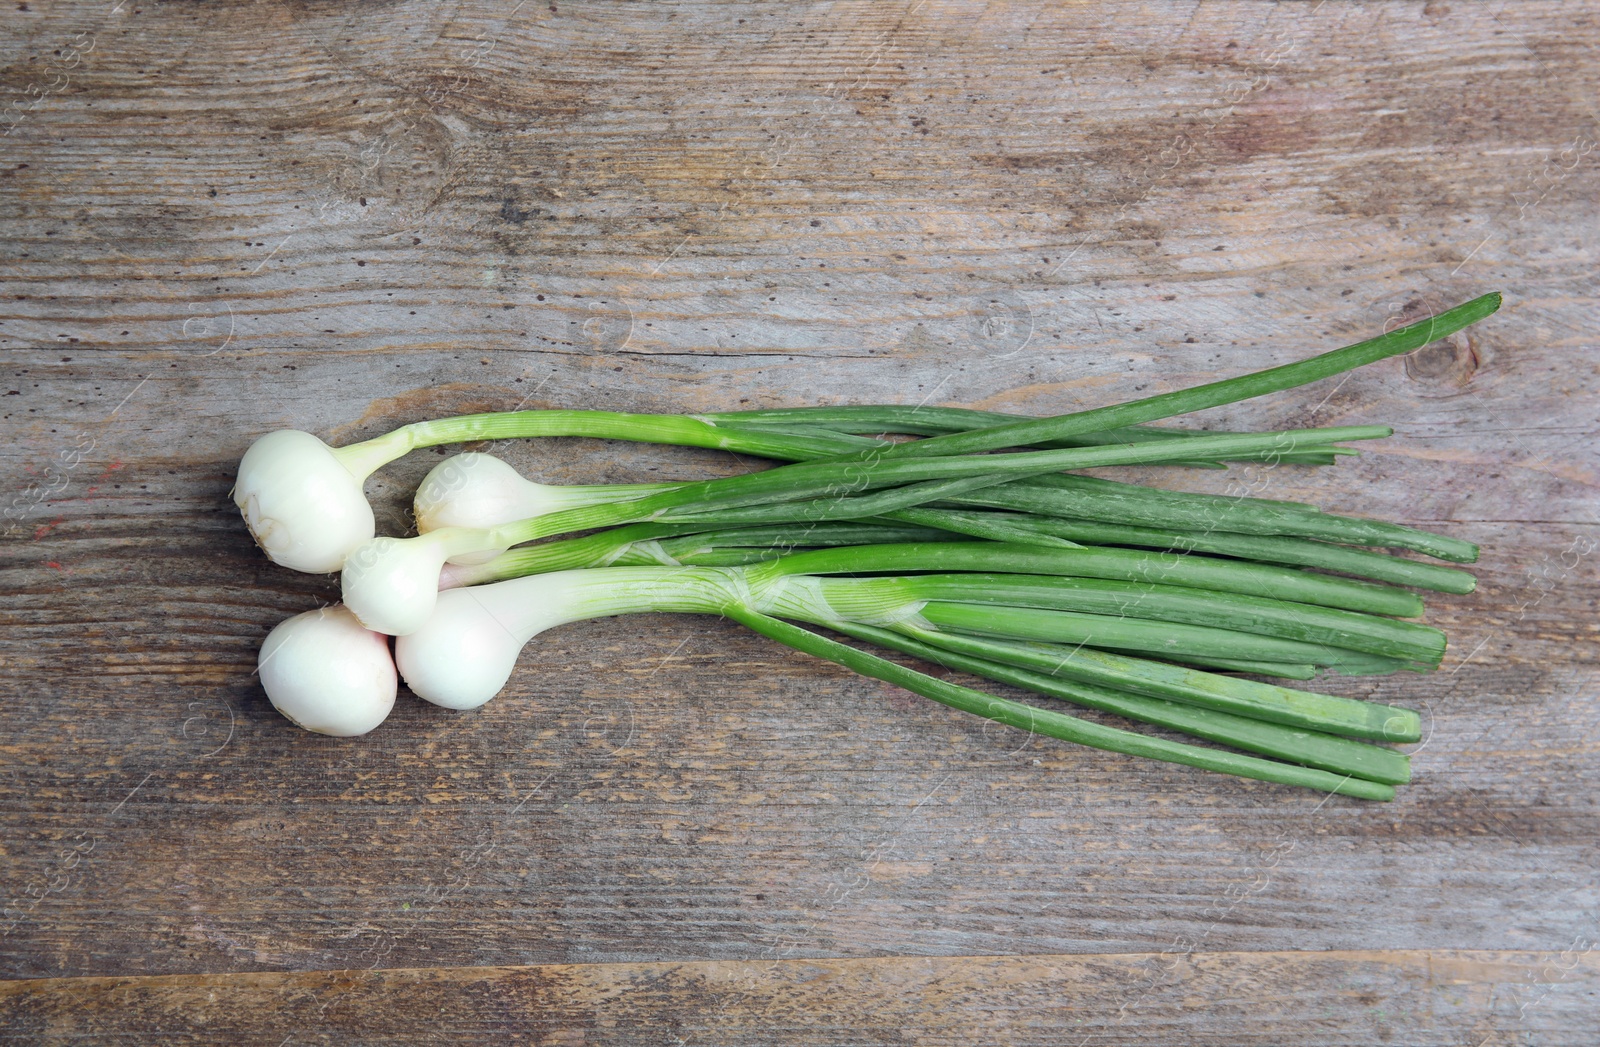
[(304, 504), (981, 607), (389, 583)]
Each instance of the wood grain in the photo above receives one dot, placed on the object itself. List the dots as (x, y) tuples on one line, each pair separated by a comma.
[(1322, 999), (226, 218)]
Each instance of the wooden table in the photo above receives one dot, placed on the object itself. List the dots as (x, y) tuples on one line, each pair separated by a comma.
[(224, 219)]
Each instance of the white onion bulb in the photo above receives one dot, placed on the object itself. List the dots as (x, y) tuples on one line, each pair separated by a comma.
[(304, 508), (391, 583), (478, 490), (327, 673), (465, 653)]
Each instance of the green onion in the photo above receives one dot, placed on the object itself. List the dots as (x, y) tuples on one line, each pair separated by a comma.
[(389, 582), (998, 564), (304, 505), (525, 606), (468, 649)]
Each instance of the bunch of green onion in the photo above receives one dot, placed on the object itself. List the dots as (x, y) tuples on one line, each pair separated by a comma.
[(968, 545)]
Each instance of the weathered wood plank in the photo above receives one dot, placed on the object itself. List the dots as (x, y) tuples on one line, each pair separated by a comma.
[(847, 181), (1413, 998), (225, 219)]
